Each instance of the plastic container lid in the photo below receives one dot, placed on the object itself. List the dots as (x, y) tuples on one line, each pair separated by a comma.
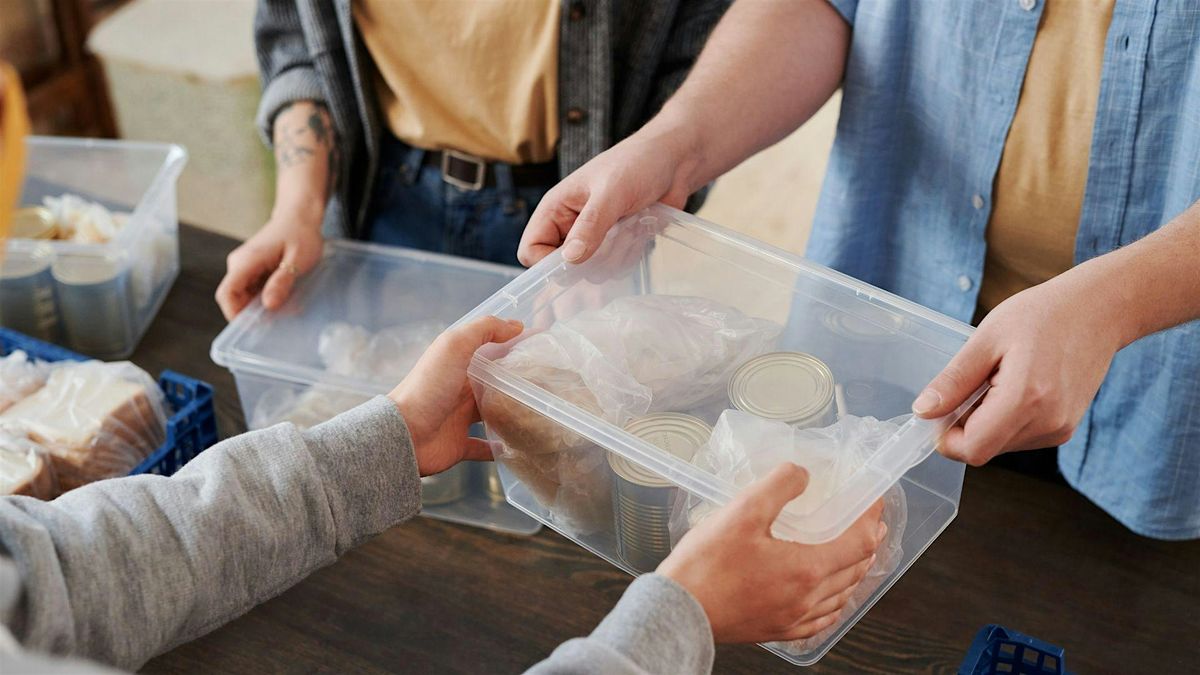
[(366, 285), (680, 435)]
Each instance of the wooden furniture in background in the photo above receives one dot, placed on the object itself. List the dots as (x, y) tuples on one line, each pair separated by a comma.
[(65, 85)]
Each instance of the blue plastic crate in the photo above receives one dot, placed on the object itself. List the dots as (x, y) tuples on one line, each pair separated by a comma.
[(191, 428), (999, 651)]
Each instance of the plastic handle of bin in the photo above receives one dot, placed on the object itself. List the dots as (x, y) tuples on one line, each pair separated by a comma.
[(917, 439)]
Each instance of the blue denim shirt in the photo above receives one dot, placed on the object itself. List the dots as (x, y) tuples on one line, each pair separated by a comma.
[(929, 94)]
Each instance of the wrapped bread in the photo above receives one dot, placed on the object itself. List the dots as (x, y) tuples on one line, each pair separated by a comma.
[(20, 376), (24, 468), (638, 354), (95, 420)]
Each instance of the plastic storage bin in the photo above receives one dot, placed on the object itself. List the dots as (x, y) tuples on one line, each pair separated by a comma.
[(999, 651), (579, 471), (191, 428), (351, 330), (96, 299)]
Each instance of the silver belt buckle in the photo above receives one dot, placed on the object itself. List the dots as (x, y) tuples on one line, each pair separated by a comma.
[(480, 170)]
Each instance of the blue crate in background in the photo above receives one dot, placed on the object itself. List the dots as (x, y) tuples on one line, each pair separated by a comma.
[(191, 428), (999, 651)]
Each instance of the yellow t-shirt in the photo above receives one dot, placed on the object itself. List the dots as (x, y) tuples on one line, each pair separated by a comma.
[(475, 76), (1039, 186)]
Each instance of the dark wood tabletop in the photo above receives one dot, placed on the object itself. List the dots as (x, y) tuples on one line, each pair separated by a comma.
[(432, 597)]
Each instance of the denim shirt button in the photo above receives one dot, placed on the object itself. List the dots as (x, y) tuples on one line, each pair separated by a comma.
[(977, 201), (1027, 5), (964, 282)]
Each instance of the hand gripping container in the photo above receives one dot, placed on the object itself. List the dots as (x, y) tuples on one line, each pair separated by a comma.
[(97, 299), (351, 330), (565, 455)]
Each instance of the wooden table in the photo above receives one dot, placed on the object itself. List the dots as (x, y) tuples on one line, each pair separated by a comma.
[(439, 598)]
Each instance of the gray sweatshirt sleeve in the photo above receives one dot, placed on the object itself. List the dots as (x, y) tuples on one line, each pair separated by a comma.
[(657, 627), (284, 61), (122, 570)]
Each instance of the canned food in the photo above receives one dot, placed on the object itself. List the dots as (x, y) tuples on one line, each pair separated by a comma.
[(876, 326), (33, 222), (27, 299), (445, 487), (491, 481), (643, 499), (94, 302), (792, 387)]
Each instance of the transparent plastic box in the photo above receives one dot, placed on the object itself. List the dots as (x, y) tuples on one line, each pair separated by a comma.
[(558, 452), (97, 299), (284, 371)]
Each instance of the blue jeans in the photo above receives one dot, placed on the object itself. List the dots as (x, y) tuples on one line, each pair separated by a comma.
[(412, 206)]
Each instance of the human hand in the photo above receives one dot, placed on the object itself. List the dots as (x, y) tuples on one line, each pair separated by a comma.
[(436, 400), (645, 168), (756, 588), (1045, 351), (270, 261)]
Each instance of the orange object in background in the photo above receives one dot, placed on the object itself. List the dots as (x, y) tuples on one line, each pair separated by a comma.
[(14, 127)]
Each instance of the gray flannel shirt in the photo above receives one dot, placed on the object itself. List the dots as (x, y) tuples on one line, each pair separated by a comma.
[(619, 61)]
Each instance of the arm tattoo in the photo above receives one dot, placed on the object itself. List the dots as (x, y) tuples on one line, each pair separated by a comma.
[(296, 144)]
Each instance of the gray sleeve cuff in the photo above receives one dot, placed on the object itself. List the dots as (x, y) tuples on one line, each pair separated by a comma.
[(659, 626), (369, 470), (293, 84)]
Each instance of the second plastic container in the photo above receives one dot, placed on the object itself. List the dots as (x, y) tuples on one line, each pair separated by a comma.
[(351, 330)]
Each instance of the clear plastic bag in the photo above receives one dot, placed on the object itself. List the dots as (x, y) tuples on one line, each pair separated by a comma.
[(25, 468), (95, 420), (636, 355), (20, 376), (744, 448)]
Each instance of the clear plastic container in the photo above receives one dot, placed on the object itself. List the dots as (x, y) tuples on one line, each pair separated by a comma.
[(314, 357), (558, 452), (97, 299)]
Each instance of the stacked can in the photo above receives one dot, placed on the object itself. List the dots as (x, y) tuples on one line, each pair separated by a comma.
[(791, 387), (445, 487), (642, 499)]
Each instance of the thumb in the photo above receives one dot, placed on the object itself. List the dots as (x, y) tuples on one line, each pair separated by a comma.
[(456, 346), (593, 222), (765, 498), (969, 368)]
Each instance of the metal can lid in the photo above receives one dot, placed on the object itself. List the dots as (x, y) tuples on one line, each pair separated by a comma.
[(678, 434), (877, 325), (787, 386), (33, 222)]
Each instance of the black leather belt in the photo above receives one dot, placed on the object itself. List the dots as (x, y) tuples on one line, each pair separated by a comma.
[(475, 173)]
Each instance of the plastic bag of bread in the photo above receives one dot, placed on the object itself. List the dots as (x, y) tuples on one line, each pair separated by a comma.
[(20, 376), (95, 420), (24, 466), (638, 354), (744, 447)]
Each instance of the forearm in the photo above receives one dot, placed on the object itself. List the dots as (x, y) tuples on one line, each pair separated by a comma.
[(124, 569), (1150, 285), (657, 627), (306, 158), (766, 69)]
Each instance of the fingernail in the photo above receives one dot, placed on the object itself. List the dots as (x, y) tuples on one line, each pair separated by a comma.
[(881, 531), (928, 400), (871, 562), (574, 250)]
